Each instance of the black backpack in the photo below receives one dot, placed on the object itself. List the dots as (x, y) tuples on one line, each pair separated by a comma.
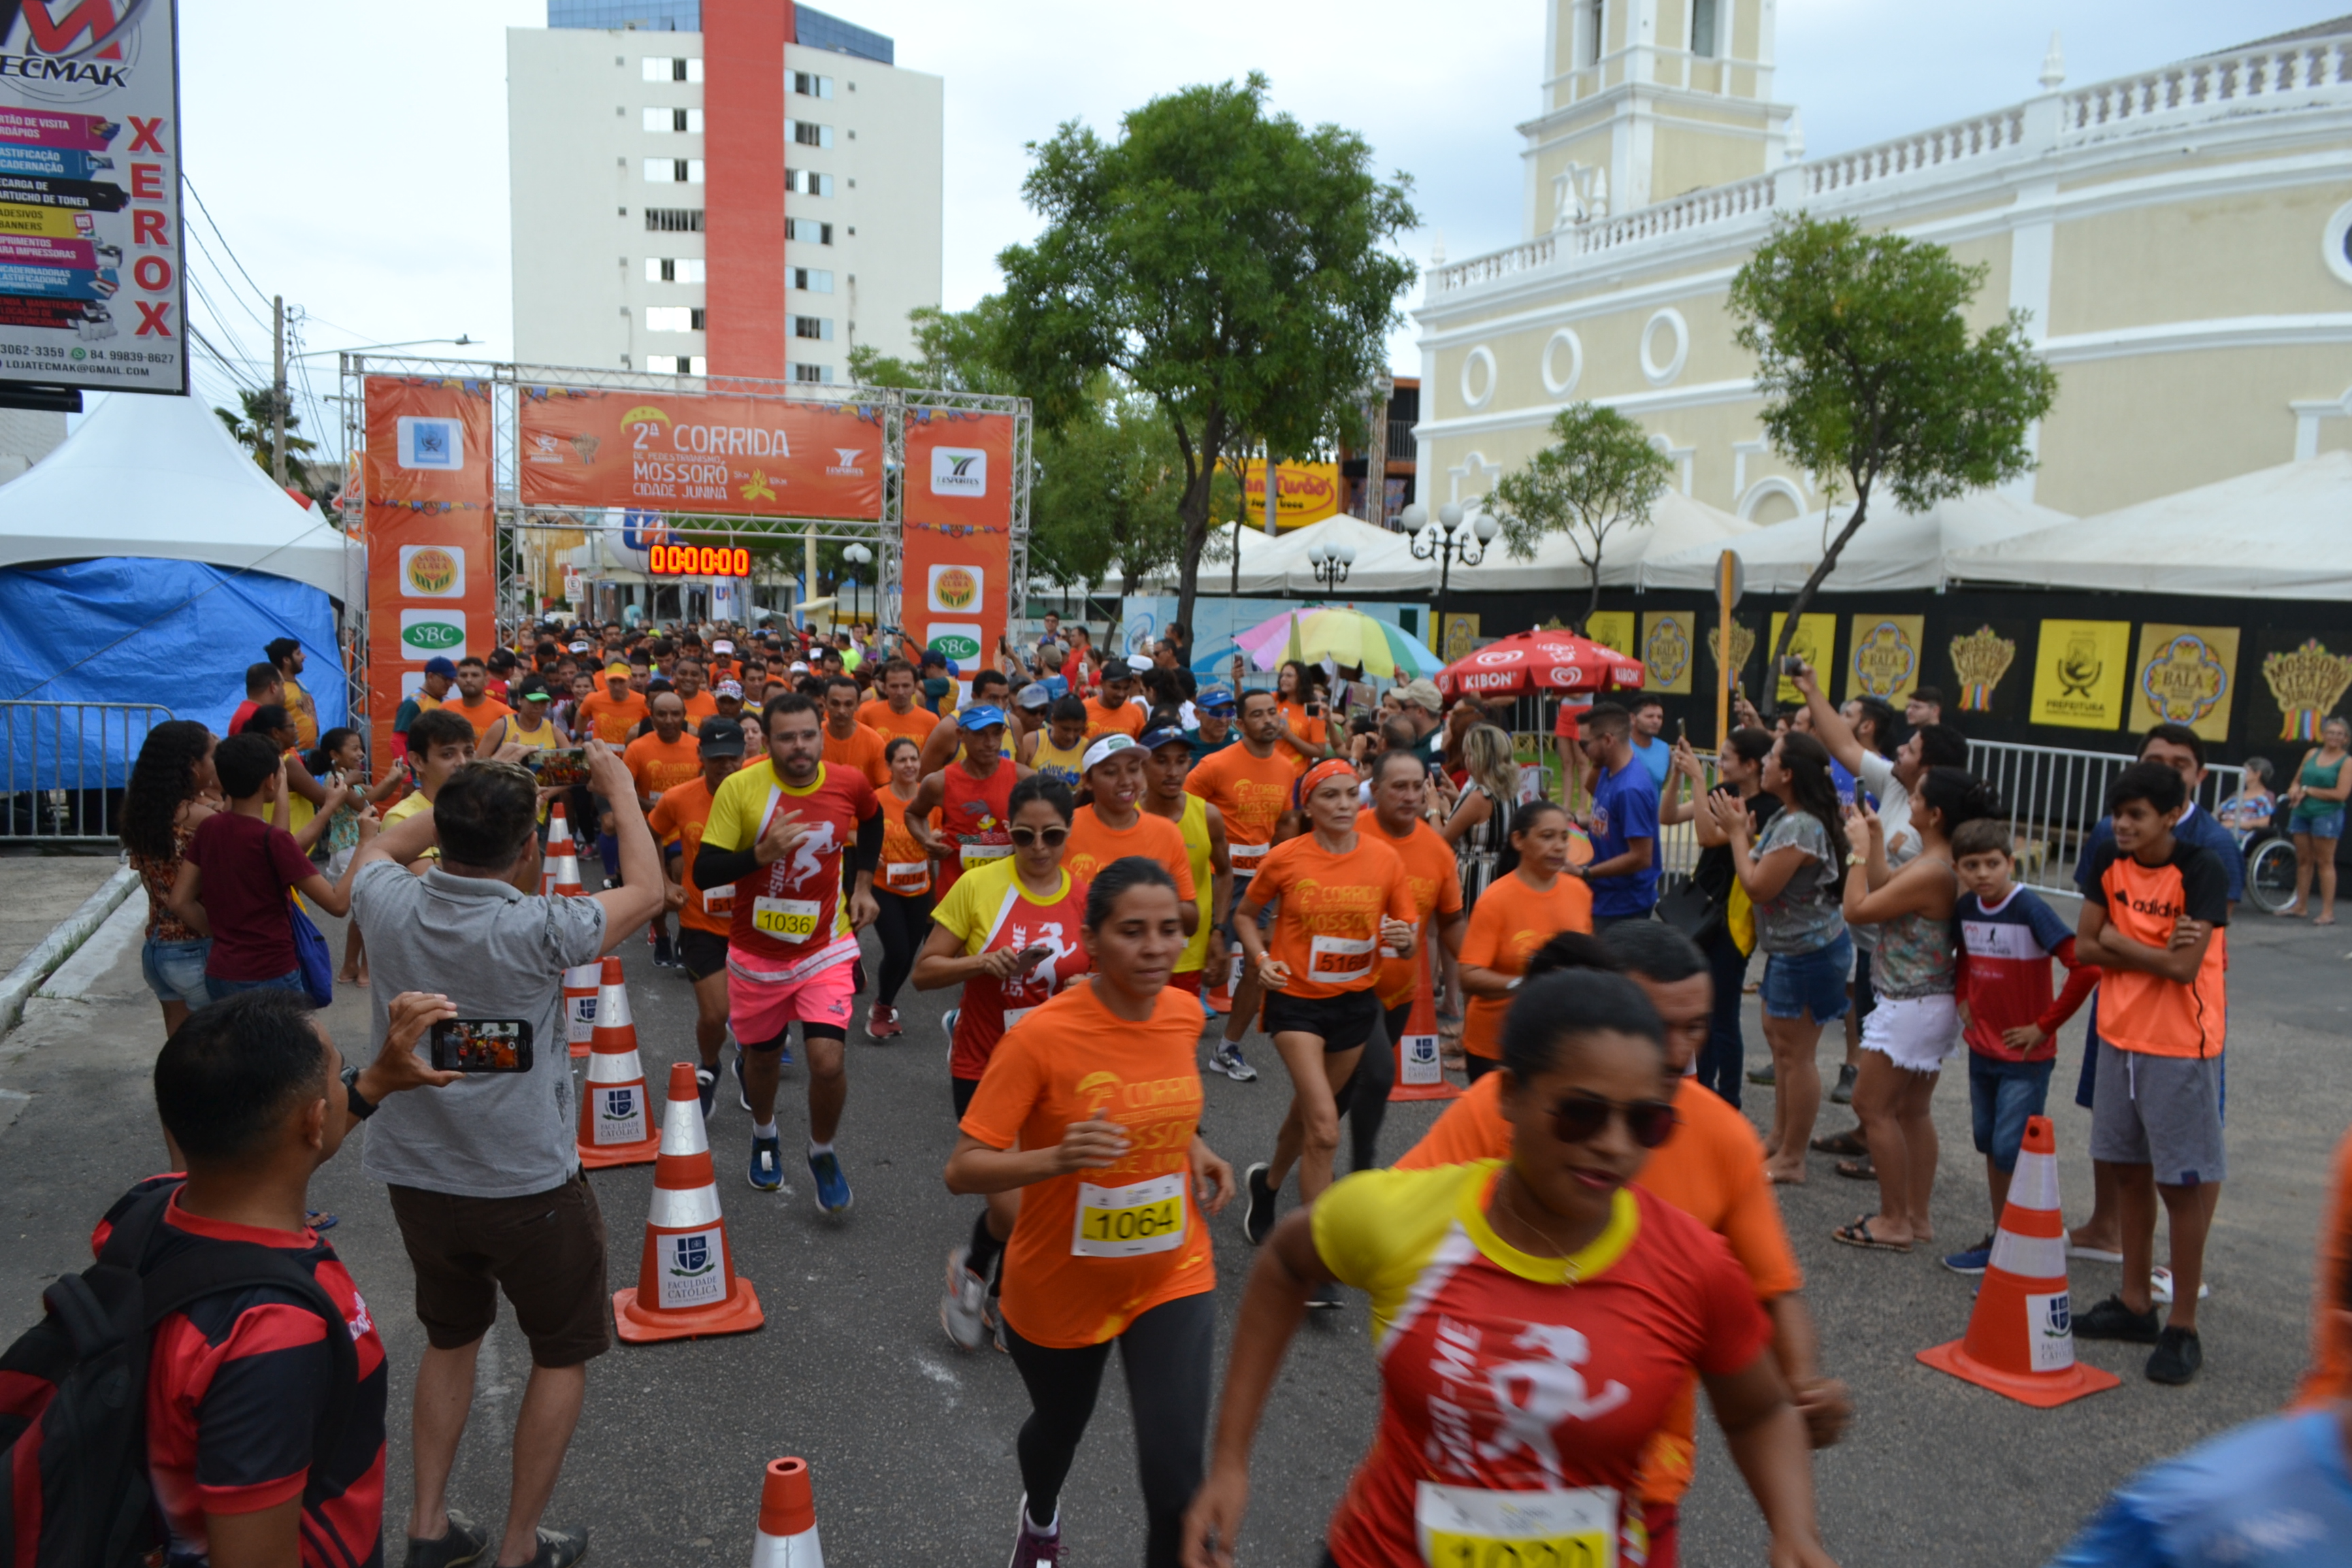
[(73, 1391)]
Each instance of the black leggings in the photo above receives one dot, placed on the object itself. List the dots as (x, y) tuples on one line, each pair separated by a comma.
[(1364, 1100), (904, 923), (1722, 1063), (1169, 1354)]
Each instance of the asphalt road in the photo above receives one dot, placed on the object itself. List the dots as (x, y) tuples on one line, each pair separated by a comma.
[(911, 1441)]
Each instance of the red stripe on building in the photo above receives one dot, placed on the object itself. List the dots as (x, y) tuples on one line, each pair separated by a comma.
[(743, 191)]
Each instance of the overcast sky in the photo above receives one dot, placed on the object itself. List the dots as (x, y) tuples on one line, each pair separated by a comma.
[(355, 156)]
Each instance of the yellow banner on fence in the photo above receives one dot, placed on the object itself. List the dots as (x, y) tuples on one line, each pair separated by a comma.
[(2079, 671), (1882, 657), (1613, 630), (2185, 675), (1816, 638), (1669, 638), (1457, 637)]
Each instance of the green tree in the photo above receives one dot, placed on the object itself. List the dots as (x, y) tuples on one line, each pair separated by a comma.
[(1230, 264), (1600, 474), (253, 433), (1871, 377)]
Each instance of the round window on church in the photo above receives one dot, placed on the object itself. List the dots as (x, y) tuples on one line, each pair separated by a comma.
[(2336, 244)]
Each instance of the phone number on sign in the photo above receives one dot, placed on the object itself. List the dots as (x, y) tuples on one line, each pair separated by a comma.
[(119, 356)]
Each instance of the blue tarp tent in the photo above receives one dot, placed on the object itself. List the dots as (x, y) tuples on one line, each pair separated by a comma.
[(147, 561)]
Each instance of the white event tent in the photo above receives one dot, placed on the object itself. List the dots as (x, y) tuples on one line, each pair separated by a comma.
[(155, 476), (2277, 534), (1677, 525), (1894, 548)]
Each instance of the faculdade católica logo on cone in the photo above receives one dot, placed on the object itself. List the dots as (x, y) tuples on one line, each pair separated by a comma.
[(957, 589), (958, 471), (432, 633), (432, 572)]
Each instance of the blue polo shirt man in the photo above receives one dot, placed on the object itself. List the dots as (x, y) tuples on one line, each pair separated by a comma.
[(1624, 873)]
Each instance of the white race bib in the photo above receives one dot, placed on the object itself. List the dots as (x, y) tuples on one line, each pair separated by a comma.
[(907, 876), (977, 855), (1469, 1526), (1015, 1015), (719, 900), (786, 920), (1337, 958), (1245, 857), (1128, 1221)]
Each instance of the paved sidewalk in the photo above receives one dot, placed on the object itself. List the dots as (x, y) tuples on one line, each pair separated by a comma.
[(36, 891)]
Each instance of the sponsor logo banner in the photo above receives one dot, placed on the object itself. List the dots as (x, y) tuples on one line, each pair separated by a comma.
[(958, 530), (2079, 671), (2185, 675), (425, 477), (1815, 640), (710, 454), (1882, 658), (432, 633), (1667, 638), (1303, 493)]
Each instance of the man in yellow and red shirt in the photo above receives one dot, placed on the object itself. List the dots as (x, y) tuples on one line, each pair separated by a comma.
[(2154, 919)]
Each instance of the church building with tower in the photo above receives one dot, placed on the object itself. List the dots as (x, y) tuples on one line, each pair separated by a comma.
[(2180, 239)]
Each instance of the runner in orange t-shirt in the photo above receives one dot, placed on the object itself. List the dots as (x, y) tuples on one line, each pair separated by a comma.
[(1089, 1108), (847, 743), (1113, 825), (902, 888), (473, 699), (1250, 783), (895, 712), (1711, 1168), (1110, 712), (660, 760), (704, 915), (612, 712), (1516, 915), (1400, 785), (1345, 899), (688, 675)]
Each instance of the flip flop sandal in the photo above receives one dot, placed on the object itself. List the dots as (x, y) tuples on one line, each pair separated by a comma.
[(1858, 1234), (1859, 1170), (1848, 1143)]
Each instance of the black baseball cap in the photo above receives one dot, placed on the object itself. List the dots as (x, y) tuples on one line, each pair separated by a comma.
[(720, 737)]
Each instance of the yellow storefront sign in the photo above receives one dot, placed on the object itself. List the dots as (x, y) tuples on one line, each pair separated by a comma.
[(2080, 668), (2185, 675), (1669, 642), (47, 223), (1816, 638), (1882, 657), (1303, 493)]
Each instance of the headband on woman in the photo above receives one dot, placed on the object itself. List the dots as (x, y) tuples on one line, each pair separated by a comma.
[(1315, 777)]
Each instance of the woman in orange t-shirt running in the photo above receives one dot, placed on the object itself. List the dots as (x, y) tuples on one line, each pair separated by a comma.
[(902, 887), (1090, 1108), (1513, 917), (1345, 899)]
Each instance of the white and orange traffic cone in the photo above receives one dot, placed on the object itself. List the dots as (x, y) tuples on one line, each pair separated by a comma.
[(615, 1122), (686, 1283), (1420, 1068), (2020, 1339), (787, 1537), (579, 984), (560, 871)]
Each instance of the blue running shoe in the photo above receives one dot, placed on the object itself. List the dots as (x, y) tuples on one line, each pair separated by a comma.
[(705, 1088), (1972, 1259), (767, 1173), (742, 1094), (832, 1187)]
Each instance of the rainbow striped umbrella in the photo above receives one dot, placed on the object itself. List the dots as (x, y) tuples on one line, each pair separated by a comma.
[(1345, 637)]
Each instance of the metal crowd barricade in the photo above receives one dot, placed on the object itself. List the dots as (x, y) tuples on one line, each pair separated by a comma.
[(2054, 796), (65, 765)]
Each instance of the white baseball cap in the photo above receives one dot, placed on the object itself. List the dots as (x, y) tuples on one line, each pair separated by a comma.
[(1109, 745)]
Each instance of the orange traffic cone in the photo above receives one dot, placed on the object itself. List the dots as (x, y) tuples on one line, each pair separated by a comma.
[(2020, 1339), (686, 1283), (579, 985), (560, 871), (1420, 1071), (616, 1124), (787, 1537)]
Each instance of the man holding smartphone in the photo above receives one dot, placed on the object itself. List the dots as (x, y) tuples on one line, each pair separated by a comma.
[(485, 1175)]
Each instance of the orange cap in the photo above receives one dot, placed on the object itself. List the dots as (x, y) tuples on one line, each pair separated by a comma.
[(787, 1503)]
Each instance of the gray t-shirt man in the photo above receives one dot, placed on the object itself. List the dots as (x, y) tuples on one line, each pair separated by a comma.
[(496, 953)]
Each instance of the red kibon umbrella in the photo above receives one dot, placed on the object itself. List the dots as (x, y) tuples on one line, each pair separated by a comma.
[(1540, 661)]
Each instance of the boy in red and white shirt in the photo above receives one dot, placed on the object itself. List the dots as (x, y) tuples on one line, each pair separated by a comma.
[(2008, 937)]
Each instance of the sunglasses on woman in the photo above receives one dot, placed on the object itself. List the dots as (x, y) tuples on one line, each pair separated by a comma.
[(1579, 1118), (1023, 837)]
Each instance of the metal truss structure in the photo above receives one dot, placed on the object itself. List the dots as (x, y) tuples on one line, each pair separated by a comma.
[(516, 522)]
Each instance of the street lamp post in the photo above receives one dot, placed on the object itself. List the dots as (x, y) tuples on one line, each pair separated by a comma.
[(1442, 542), (857, 555), (1330, 563)]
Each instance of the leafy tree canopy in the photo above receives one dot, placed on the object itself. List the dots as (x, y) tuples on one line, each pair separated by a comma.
[(252, 431), (1599, 473)]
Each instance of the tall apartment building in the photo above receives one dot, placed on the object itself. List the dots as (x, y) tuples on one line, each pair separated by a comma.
[(727, 187)]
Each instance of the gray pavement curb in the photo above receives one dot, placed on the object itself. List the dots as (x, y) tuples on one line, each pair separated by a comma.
[(63, 941)]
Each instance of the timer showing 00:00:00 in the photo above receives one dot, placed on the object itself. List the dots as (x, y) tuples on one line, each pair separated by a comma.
[(697, 560)]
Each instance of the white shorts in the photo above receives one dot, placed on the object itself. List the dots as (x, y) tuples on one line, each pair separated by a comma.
[(1916, 1033)]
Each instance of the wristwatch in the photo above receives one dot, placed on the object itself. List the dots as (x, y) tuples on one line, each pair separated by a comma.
[(360, 1107)]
